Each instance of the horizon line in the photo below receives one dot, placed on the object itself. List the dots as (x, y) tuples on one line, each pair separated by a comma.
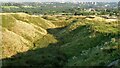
[(57, 1)]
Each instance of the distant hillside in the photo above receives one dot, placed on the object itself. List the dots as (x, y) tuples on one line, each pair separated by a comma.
[(60, 40)]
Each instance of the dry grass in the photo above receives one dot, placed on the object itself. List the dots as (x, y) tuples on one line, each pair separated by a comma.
[(13, 43), (21, 31)]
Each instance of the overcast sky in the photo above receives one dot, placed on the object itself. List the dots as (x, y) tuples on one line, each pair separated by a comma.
[(58, 0)]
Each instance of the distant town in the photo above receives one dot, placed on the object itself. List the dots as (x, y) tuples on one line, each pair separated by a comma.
[(65, 8)]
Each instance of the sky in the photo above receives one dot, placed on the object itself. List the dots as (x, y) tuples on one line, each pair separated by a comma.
[(58, 0)]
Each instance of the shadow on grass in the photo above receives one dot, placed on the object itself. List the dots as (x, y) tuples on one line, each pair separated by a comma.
[(53, 56), (43, 58)]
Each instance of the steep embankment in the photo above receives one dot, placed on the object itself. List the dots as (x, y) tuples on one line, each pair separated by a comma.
[(22, 31)]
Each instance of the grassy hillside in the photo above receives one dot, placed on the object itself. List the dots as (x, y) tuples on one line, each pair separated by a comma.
[(75, 41), (90, 42), (21, 32)]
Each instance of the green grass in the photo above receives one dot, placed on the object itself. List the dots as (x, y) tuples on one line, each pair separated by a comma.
[(86, 40), (43, 58)]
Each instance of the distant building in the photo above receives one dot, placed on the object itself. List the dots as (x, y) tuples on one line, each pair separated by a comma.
[(94, 3)]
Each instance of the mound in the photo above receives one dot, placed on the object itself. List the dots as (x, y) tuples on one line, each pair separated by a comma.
[(22, 31)]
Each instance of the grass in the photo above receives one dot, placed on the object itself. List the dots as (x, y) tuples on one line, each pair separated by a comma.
[(9, 7), (78, 41), (85, 40), (43, 58), (24, 33), (59, 21), (45, 41), (32, 19), (8, 21)]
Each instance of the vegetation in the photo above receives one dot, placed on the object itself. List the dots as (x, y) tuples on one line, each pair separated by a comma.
[(75, 41), (44, 58), (7, 19), (99, 8), (81, 34), (23, 34)]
